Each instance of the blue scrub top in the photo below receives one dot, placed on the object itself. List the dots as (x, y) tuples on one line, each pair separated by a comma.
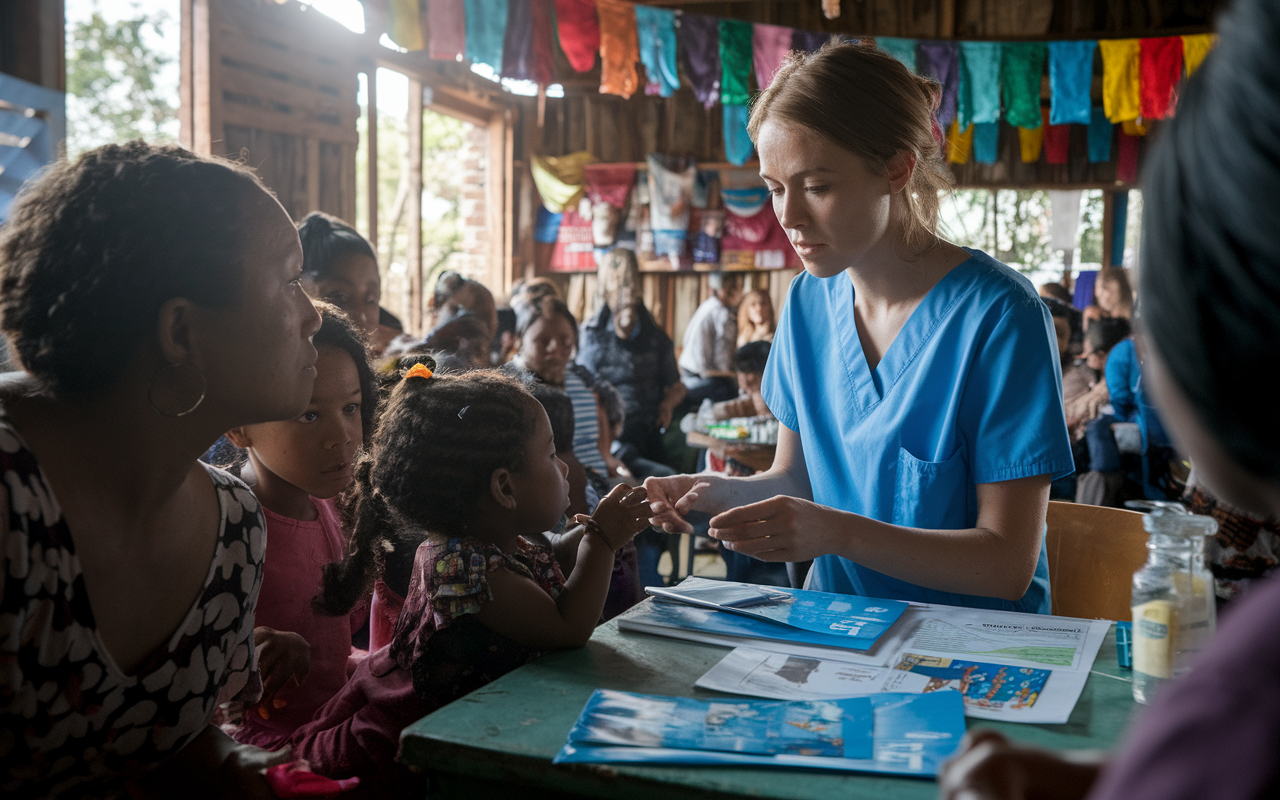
[(969, 392)]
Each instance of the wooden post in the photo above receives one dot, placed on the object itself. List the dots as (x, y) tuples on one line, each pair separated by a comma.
[(1108, 219), (371, 154), (414, 207)]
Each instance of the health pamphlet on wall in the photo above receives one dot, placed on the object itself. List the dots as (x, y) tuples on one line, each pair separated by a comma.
[(905, 734)]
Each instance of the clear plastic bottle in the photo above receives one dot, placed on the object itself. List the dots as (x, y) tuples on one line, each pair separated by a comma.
[(1174, 611)]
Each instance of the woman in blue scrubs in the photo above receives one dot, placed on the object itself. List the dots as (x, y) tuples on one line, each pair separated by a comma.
[(916, 382)]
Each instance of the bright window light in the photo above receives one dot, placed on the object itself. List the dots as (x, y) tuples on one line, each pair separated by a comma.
[(349, 12)]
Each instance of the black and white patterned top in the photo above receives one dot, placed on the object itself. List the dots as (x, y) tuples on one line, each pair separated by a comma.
[(71, 723)]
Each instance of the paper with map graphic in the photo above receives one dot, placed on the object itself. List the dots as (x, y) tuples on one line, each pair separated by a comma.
[(1006, 637)]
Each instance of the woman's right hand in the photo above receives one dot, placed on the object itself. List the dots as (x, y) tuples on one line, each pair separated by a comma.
[(671, 498)]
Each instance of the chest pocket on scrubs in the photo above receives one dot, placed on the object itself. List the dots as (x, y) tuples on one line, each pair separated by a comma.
[(931, 494)]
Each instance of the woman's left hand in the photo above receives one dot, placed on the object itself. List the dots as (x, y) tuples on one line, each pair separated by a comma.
[(781, 528)]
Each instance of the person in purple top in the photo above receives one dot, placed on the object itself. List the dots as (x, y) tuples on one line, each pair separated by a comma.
[(1210, 301)]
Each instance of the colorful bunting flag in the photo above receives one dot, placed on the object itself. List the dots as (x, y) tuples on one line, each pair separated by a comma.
[(737, 143), (808, 41), (986, 142), (448, 29), (1057, 144), (770, 44), (959, 144), (1160, 64), (978, 100), (941, 61), (1120, 72), (1021, 65), (560, 179), (902, 49), (526, 53), (1195, 48), (1100, 133), (1070, 81), (619, 48), (656, 28), (579, 30), (735, 61), (1127, 158), (1030, 143), (1133, 127), (700, 53), (486, 31), (406, 25)]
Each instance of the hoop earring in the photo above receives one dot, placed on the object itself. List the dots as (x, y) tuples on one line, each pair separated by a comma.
[(151, 391)]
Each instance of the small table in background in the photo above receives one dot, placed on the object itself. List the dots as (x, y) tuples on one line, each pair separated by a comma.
[(499, 740)]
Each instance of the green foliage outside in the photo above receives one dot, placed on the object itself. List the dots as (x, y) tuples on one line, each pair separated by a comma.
[(1014, 226), (114, 94)]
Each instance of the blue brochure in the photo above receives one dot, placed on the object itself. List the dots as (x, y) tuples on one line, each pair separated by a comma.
[(858, 621), (904, 734)]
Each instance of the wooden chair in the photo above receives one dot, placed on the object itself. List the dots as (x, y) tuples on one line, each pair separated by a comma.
[(1093, 553)]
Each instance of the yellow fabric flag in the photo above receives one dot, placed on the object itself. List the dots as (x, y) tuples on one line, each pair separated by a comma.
[(959, 145), (1133, 128), (561, 180), (1031, 140), (1195, 48), (406, 26), (1120, 71)]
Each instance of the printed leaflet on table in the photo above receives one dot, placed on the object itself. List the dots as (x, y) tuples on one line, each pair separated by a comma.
[(905, 734)]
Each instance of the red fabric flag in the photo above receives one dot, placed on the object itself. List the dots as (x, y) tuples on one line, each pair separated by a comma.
[(1160, 66), (579, 32), (1057, 143), (1127, 160), (447, 26)]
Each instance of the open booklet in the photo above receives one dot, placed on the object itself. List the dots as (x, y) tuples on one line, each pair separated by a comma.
[(891, 733), (1006, 666)]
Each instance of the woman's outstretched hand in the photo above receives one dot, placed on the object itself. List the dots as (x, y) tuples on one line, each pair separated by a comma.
[(670, 498), (781, 528), (621, 514)]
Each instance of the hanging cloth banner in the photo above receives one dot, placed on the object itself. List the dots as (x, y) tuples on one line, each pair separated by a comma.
[(610, 183), (656, 28), (941, 61), (770, 44), (1070, 79), (808, 41), (448, 29), (737, 143), (978, 100), (1127, 159), (526, 54), (1064, 219), (1131, 127), (1120, 73), (700, 51), (486, 31), (986, 142), (1195, 48), (755, 241), (575, 244), (619, 48), (959, 144), (902, 49), (579, 30), (1030, 143), (1057, 144), (745, 201), (560, 180), (670, 206), (406, 26), (1100, 132), (1021, 65), (735, 62), (546, 226), (1160, 64)]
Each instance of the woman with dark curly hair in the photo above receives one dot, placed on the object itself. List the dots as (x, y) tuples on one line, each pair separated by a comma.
[(153, 299)]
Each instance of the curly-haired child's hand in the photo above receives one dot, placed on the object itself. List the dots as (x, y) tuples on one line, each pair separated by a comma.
[(621, 514)]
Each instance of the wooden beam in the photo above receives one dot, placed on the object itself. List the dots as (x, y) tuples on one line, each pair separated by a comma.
[(1108, 217), (414, 206), (371, 154)]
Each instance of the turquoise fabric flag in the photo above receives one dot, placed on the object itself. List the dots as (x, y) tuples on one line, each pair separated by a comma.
[(737, 144), (1070, 79), (657, 31), (986, 142), (486, 30), (902, 49), (979, 100), (1100, 135)]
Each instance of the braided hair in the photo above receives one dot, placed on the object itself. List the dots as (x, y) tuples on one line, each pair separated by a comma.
[(437, 444), (93, 248), (326, 241)]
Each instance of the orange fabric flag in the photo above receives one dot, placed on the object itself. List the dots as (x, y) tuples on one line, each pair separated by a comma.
[(619, 47)]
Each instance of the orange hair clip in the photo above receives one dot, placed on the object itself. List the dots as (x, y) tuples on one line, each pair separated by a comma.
[(418, 371)]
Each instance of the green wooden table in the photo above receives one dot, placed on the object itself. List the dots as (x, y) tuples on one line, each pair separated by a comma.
[(500, 739)]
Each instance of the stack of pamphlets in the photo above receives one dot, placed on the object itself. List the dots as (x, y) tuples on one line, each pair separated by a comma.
[(901, 734)]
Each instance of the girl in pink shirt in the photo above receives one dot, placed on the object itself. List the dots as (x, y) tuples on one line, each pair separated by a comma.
[(296, 467)]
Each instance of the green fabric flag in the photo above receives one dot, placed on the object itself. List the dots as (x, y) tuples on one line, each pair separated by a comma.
[(735, 62), (1021, 69)]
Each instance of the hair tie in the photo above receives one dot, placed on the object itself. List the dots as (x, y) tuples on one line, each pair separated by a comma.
[(418, 370)]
